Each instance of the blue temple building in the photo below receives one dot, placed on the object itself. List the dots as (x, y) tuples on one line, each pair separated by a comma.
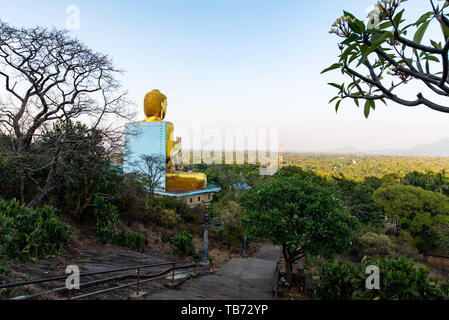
[(150, 138)]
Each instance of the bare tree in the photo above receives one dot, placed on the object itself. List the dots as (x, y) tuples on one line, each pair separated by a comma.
[(48, 76), (379, 58), (83, 170), (152, 168)]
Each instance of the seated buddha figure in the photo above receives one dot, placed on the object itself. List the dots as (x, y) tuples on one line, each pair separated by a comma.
[(155, 108)]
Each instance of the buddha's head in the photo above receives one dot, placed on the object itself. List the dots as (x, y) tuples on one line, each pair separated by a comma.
[(155, 104)]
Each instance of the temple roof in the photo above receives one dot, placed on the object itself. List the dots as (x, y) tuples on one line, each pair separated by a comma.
[(241, 185)]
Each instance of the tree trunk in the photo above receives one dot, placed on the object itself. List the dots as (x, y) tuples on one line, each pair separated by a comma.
[(288, 263), (37, 200), (42, 193), (22, 188), (288, 271)]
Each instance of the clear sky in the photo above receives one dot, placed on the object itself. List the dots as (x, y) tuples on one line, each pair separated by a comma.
[(239, 64)]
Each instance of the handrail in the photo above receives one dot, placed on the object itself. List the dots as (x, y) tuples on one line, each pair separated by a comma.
[(10, 285), (147, 278), (138, 283)]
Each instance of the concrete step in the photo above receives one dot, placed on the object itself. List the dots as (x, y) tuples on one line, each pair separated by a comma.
[(238, 279)]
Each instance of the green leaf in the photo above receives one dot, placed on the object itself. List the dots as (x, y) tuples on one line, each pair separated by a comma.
[(347, 14), (337, 105), (378, 40), (380, 37), (385, 25), (357, 102), (436, 45), (353, 57), (357, 26), (422, 19), (445, 31), (332, 67), (335, 85), (333, 99), (432, 58), (347, 51), (350, 39), (420, 32), (363, 49), (367, 108), (398, 17)]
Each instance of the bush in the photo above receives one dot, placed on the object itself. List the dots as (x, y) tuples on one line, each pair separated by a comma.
[(168, 212), (375, 245), (132, 198), (444, 290), (179, 206), (30, 233), (169, 218), (131, 240), (107, 219), (183, 245), (400, 279), (338, 281), (5, 268)]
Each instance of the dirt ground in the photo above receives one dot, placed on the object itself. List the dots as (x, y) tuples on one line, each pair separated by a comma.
[(155, 242)]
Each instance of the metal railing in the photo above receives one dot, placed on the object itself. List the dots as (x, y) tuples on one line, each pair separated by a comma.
[(178, 265)]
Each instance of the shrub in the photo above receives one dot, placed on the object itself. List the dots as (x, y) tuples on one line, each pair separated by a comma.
[(404, 248), (400, 279), (372, 245), (338, 280), (107, 221), (30, 233), (106, 215), (131, 240), (179, 206), (183, 245), (169, 218), (4, 268), (168, 212), (444, 290), (375, 245), (132, 198)]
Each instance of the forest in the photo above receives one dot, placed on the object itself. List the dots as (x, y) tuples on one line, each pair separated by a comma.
[(359, 166)]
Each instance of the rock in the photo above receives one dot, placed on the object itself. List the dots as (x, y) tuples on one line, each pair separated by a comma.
[(135, 296)]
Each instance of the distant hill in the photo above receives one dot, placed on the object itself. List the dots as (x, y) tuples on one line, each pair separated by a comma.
[(439, 148)]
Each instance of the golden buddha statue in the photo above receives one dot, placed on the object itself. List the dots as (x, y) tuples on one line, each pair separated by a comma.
[(155, 108)]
